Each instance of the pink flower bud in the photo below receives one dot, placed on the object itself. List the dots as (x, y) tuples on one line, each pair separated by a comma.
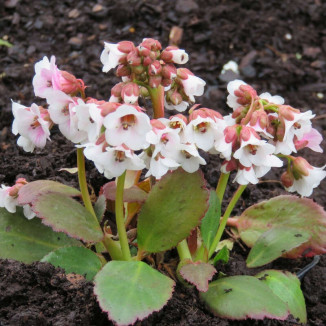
[(300, 167), (230, 134), (151, 44), (70, 84), (245, 94), (133, 58), (147, 61), (126, 46), (143, 51), (286, 112), (166, 82), (108, 107), (130, 93), (123, 70), (228, 166), (259, 117), (174, 54), (175, 98), (116, 89), (287, 179), (155, 81), (169, 71), (184, 73), (155, 68)]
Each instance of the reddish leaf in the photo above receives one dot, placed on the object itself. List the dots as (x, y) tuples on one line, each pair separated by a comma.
[(198, 274)]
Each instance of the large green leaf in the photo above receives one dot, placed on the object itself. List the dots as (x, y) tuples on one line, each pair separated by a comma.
[(198, 274), (242, 297), (211, 220), (287, 287), (173, 208), (65, 214), (274, 243), (28, 240), (131, 290), (28, 193), (78, 260), (288, 212)]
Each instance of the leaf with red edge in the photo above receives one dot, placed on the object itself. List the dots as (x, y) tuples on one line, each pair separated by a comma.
[(131, 290), (131, 194), (198, 274), (65, 214), (242, 297), (302, 214), (29, 192), (174, 207)]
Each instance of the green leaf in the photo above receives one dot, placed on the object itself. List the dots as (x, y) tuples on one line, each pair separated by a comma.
[(28, 193), (288, 212), (173, 208), (198, 274), (274, 243), (131, 290), (100, 207), (223, 255), (211, 220), (28, 240), (287, 287), (5, 43), (242, 297), (78, 260), (65, 214)]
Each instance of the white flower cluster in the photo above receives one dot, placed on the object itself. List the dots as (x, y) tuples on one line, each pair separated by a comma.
[(118, 135)]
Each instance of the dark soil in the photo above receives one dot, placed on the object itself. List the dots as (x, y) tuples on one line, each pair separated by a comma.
[(280, 47)]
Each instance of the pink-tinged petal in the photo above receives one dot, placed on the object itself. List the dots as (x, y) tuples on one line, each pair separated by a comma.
[(29, 214), (27, 144), (276, 99), (314, 138)]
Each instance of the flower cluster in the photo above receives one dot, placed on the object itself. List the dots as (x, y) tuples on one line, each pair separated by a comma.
[(118, 135)]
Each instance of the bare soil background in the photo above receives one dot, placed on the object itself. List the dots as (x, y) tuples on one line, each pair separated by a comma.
[(280, 47)]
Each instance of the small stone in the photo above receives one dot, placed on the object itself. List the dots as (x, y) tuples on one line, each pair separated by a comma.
[(186, 6), (318, 64), (97, 8), (75, 42), (102, 27), (11, 3), (288, 36), (311, 52), (74, 13)]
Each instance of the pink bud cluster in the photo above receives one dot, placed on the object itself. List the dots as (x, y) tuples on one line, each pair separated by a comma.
[(118, 135)]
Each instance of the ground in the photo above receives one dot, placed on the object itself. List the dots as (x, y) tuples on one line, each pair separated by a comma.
[(280, 47)]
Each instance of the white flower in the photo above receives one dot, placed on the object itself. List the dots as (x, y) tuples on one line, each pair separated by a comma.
[(29, 123), (257, 152), (158, 165), (232, 99), (188, 157), (193, 86), (231, 65), (113, 161), (111, 56), (10, 203), (306, 183), (245, 176), (90, 119), (127, 125), (47, 77), (276, 99), (179, 56), (299, 126), (62, 112), (179, 107), (202, 132)]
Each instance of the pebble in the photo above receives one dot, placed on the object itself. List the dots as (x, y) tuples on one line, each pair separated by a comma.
[(75, 42), (74, 13), (186, 6)]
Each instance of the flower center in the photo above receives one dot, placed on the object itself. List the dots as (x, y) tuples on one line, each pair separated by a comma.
[(202, 127), (252, 149), (120, 156), (128, 121)]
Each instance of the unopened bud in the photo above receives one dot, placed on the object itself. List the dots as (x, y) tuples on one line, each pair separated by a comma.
[(286, 112), (287, 179), (133, 58), (143, 51), (126, 46), (138, 70), (245, 93), (176, 98), (174, 54), (259, 117), (143, 92), (230, 134), (155, 68), (169, 71), (123, 70), (151, 44), (166, 82), (108, 107), (154, 81), (147, 61), (70, 84), (116, 89), (130, 93), (300, 167)]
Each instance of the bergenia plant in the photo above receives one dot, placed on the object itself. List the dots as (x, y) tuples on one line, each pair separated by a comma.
[(169, 205)]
